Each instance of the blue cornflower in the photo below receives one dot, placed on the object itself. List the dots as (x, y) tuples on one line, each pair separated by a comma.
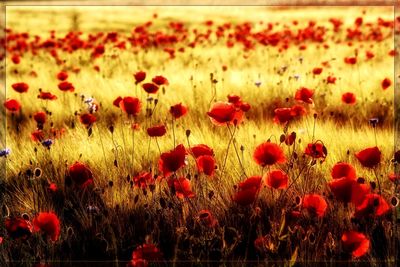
[(5, 152)]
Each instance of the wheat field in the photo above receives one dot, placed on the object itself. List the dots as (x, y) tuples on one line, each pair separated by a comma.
[(113, 216)]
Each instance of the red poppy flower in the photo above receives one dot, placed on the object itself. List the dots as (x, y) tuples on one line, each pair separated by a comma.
[(98, 51), (297, 111), (359, 192), (143, 254), (18, 227), (245, 106), (130, 105), (20, 87), (276, 179), (48, 223), (268, 154), (47, 96), (160, 80), (348, 190), (183, 188), (394, 178), (206, 218), (66, 86), (150, 88), (37, 136), (140, 76), (80, 174), (12, 105), (369, 157), (386, 83), (201, 150), (342, 169), (331, 80), (372, 205), (178, 110), (156, 131), (87, 119), (316, 150), (238, 117), (143, 179), (222, 113), (283, 115), (62, 75), (234, 99), (349, 98), (304, 95), (40, 117), (53, 187), (261, 243), (172, 161), (116, 101), (350, 60), (16, 59), (248, 191), (317, 71), (290, 138), (358, 21), (315, 204), (355, 243), (206, 164), (135, 126), (369, 54)]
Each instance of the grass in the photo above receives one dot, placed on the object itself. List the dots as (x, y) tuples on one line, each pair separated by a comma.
[(128, 216)]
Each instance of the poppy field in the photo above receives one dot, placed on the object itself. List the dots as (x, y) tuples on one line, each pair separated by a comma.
[(152, 136)]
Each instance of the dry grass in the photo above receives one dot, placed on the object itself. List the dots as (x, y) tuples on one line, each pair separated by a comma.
[(124, 221)]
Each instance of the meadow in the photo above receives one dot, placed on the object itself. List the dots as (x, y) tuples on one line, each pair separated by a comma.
[(186, 135)]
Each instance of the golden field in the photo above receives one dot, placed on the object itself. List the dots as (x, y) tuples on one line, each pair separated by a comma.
[(197, 79)]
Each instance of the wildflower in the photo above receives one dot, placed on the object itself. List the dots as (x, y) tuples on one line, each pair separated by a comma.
[(178, 110), (18, 228), (268, 154), (349, 98), (47, 143), (48, 223), (355, 243), (5, 152), (12, 105), (315, 204), (248, 191), (276, 179), (172, 161), (369, 157), (20, 87), (140, 76), (156, 131), (206, 164), (80, 174)]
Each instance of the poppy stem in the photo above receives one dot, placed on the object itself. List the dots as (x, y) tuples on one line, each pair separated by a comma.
[(148, 148), (378, 181), (123, 140), (226, 155), (236, 151), (102, 146), (133, 143), (313, 132), (292, 183), (173, 130), (158, 145)]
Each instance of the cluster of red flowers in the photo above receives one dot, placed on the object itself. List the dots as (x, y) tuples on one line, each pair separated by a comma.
[(178, 37), (228, 113), (46, 223)]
